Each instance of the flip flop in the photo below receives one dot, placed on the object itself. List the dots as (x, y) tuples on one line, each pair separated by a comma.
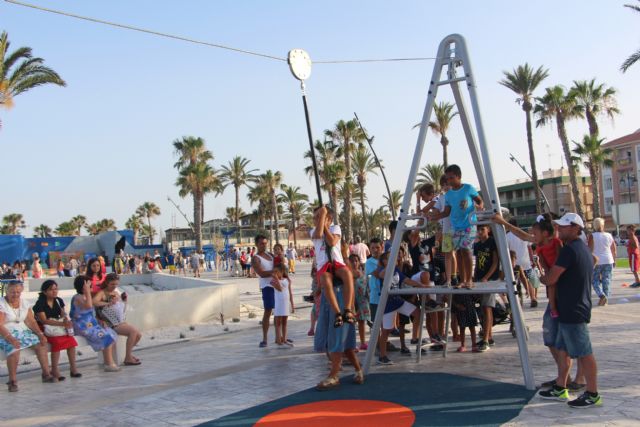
[(132, 363)]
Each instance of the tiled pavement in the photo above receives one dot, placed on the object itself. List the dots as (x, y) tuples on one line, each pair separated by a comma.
[(205, 378)]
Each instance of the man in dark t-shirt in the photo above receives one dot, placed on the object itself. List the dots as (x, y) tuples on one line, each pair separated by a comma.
[(571, 276)]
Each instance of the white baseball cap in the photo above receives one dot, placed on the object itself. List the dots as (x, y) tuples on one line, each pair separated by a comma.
[(570, 218)]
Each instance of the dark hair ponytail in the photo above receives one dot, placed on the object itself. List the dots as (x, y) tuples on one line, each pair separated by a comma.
[(46, 285)]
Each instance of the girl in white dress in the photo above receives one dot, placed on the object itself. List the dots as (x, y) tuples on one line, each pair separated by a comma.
[(283, 305)]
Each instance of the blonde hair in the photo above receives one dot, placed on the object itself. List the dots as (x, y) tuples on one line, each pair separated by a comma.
[(598, 224)]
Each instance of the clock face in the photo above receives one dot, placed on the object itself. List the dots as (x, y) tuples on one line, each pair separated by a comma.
[(300, 64)]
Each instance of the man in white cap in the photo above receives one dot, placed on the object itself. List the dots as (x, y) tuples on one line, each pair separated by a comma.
[(571, 275)]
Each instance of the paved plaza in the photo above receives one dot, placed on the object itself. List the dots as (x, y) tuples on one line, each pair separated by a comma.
[(203, 378)]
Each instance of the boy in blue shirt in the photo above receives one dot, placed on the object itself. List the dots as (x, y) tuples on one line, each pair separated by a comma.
[(370, 272), (461, 201)]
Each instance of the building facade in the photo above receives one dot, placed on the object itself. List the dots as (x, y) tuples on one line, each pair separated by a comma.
[(620, 200), (519, 196)]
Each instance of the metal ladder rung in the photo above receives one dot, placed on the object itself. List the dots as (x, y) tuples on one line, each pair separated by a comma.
[(446, 82), (491, 287)]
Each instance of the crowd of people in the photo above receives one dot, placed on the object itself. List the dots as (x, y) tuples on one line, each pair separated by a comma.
[(557, 253)]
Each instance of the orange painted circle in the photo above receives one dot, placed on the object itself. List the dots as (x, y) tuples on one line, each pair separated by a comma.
[(352, 413)]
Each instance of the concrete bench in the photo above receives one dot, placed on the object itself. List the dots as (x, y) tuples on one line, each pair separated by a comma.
[(118, 356)]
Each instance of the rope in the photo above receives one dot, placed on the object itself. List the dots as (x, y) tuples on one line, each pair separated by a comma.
[(204, 43)]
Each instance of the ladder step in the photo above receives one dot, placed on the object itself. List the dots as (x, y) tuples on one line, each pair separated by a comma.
[(491, 287), (446, 82)]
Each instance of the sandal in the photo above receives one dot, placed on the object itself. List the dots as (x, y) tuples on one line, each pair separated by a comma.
[(461, 350), (349, 317), (76, 375), (13, 386), (358, 378), (338, 322), (132, 363), (328, 383)]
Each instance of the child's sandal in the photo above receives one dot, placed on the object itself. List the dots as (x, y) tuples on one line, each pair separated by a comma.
[(338, 321), (349, 317)]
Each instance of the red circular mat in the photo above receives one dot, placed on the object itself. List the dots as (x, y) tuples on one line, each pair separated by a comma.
[(355, 413)]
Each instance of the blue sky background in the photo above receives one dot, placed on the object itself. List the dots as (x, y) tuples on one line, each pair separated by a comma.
[(102, 146)]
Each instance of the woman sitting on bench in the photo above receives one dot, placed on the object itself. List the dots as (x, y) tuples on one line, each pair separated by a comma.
[(19, 330)]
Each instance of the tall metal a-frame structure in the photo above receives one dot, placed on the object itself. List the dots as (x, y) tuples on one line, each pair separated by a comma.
[(452, 67)]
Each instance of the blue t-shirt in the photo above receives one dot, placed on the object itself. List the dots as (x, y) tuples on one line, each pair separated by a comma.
[(374, 283), (462, 208), (170, 260)]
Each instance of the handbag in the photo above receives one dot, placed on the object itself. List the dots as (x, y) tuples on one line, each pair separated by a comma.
[(113, 314), (55, 331)]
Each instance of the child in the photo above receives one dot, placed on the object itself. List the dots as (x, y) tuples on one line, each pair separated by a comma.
[(315, 295), (547, 248), (278, 254), (362, 297), (460, 204), (633, 250), (394, 305), (284, 305), (329, 261), (486, 253), (465, 311)]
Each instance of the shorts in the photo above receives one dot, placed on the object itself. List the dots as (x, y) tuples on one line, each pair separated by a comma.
[(463, 239), (549, 328), (416, 278), (634, 262), (172, 267), (268, 298), (488, 300), (388, 319), (447, 242), (329, 267), (574, 339)]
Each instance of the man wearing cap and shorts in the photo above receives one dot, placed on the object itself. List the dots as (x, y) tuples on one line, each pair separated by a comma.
[(572, 277)]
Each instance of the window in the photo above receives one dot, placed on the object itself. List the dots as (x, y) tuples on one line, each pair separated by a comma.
[(608, 202), (608, 183)]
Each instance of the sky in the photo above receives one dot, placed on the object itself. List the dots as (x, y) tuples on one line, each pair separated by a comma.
[(103, 145)]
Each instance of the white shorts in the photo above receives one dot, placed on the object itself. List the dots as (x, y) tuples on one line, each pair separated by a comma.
[(388, 319), (416, 278)]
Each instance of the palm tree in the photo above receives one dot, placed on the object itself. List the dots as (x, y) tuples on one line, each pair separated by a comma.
[(444, 114), (346, 133), (12, 223), (635, 57), (593, 155), (257, 194), (195, 180), (65, 229), (148, 233), (237, 174), (430, 174), (558, 105), (595, 99), (377, 220), (191, 150), (395, 202), (98, 227), (363, 164), (79, 221), (231, 214), (134, 223), (524, 81), (17, 78), (148, 210), (292, 199), (270, 181), (331, 169), (42, 231)]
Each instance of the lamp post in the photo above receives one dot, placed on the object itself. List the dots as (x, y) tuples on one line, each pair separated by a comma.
[(544, 200)]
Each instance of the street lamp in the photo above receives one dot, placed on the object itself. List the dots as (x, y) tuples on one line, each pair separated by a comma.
[(544, 196)]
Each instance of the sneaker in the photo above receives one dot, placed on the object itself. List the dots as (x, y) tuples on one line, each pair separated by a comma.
[(415, 341), (602, 301), (391, 347), (586, 400), (384, 361), (439, 339), (262, 344), (395, 333), (438, 347), (405, 351), (491, 342), (555, 393), (534, 304), (483, 346), (358, 378)]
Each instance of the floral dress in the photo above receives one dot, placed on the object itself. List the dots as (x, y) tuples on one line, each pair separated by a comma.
[(85, 325), (14, 322), (362, 300)]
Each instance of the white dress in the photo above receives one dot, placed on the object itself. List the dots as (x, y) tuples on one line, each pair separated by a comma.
[(283, 308)]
